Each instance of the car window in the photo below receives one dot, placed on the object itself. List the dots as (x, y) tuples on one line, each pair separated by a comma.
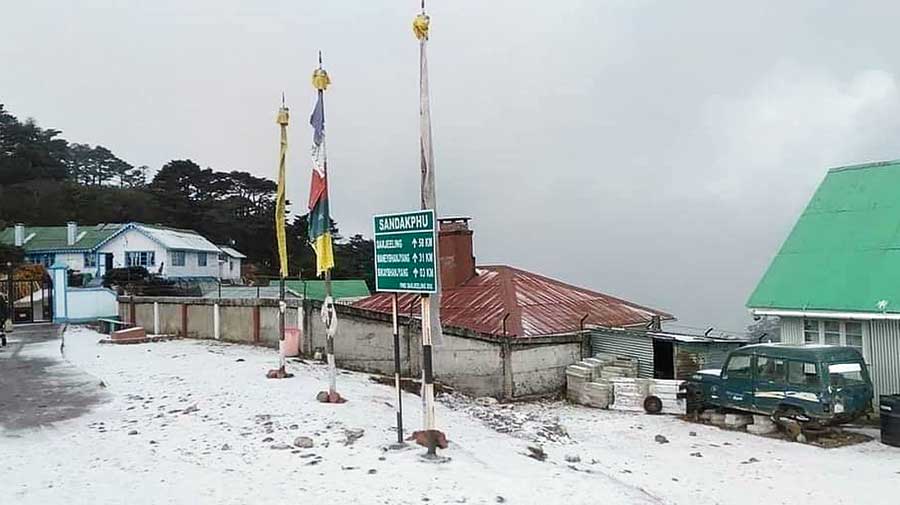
[(738, 367), (845, 374), (802, 373), (770, 369)]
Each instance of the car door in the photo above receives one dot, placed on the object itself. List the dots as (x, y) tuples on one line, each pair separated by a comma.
[(804, 386), (770, 376), (737, 382)]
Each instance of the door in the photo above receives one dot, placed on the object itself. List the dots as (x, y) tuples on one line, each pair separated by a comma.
[(804, 386), (771, 374), (663, 359), (737, 382), (108, 261)]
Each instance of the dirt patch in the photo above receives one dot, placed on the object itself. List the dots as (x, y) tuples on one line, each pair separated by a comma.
[(827, 438)]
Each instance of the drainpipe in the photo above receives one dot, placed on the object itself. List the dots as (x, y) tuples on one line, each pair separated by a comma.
[(504, 323)]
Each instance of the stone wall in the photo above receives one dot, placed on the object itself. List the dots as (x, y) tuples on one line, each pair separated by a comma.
[(477, 364)]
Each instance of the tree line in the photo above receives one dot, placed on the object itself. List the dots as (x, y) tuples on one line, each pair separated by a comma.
[(46, 181)]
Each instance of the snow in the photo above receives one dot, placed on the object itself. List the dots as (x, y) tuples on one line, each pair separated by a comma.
[(203, 421)]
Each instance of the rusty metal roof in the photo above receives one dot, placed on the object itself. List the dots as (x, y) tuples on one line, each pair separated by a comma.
[(535, 305)]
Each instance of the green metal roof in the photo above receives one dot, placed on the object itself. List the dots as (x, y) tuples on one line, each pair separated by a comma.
[(315, 289), (54, 238), (844, 252)]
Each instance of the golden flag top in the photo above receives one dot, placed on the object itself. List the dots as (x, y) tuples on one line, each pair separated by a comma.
[(420, 26), (282, 119)]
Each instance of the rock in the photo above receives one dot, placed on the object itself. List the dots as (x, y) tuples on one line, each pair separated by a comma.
[(133, 432), (762, 429), (239, 360), (696, 455), (500, 499), (692, 434), (267, 440), (102, 384), (717, 419), (750, 461), (801, 438), (280, 447), (536, 452), (293, 427), (661, 439), (153, 442), (353, 435), (372, 471), (191, 409), (226, 447), (573, 458), (486, 401), (322, 397), (303, 442)]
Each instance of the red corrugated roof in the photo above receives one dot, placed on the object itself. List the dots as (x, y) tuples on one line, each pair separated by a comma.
[(536, 305)]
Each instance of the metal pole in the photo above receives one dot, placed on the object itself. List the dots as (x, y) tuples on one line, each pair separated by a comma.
[(281, 310), (395, 309), (427, 372), (329, 344)]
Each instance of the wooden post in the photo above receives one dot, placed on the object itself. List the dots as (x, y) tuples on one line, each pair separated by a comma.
[(156, 318), (256, 324), (184, 321)]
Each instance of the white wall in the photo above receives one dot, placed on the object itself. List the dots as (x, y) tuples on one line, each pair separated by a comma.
[(89, 304), (134, 241), (72, 261), (231, 268)]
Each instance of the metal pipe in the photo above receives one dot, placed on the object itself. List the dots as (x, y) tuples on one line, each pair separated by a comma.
[(505, 317)]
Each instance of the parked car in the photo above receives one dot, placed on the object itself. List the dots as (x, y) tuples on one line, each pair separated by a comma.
[(813, 384)]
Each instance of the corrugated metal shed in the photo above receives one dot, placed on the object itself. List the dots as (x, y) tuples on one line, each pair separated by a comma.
[(689, 353), (532, 305)]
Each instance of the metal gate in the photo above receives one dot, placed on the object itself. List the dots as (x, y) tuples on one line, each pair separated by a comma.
[(29, 297)]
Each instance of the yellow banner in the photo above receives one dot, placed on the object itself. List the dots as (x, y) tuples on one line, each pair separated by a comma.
[(279, 196)]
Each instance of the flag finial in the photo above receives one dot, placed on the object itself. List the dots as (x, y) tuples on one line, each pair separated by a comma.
[(320, 59), (421, 24), (282, 99)]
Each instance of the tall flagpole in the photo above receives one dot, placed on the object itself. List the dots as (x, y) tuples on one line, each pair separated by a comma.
[(282, 119), (320, 228), (431, 322)]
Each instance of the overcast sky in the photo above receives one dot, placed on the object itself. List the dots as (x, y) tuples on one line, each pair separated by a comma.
[(658, 151)]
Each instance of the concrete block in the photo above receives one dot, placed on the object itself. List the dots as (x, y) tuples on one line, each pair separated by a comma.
[(129, 334), (736, 421), (717, 419), (762, 429)]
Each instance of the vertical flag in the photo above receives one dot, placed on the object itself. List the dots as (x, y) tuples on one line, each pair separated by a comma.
[(421, 26), (319, 217), (282, 120)]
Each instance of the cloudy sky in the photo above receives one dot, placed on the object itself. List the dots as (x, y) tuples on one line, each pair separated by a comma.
[(659, 151)]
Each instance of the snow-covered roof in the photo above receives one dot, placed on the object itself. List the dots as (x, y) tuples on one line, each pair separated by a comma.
[(234, 253), (179, 240)]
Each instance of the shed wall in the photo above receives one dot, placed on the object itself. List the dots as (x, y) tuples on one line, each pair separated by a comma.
[(628, 345)]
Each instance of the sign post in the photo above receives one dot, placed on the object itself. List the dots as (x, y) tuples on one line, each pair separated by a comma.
[(405, 262)]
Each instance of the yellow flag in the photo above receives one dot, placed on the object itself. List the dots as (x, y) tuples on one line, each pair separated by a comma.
[(279, 196)]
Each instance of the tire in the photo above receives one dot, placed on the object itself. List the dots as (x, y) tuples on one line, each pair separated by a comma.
[(652, 405)]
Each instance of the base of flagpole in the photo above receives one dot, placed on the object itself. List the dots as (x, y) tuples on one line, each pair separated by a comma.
[(326, 397), (278, 373)]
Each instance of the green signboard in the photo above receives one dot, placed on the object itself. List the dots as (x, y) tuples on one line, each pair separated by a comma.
[(404, 252)]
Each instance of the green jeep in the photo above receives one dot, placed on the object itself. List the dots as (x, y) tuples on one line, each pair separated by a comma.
[(816, 384)]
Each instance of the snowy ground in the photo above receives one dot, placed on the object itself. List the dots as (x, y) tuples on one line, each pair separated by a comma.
[(195, 422)]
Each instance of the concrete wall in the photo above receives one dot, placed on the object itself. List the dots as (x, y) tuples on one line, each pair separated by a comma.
[(90, 304), (474, 363)]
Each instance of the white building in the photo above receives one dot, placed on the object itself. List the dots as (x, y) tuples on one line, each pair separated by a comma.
[(167, 251), (230, 261)]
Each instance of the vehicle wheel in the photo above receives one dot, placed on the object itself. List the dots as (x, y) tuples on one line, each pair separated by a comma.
[(652, 405)]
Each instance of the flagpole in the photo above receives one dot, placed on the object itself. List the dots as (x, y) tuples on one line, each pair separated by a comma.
[(325, 256), (283, 118), (430, 303)]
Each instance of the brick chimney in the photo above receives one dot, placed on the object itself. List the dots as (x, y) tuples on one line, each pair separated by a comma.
[(455, 249)]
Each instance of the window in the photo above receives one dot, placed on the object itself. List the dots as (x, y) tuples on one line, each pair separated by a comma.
[(770, 369), (43, 259), (201, 259), (177, 258), (140, 258), (844, 374), (738, 367), (832, 333), (853, 332), (811, 331), (90, 260), (230, 266), (802, 373)]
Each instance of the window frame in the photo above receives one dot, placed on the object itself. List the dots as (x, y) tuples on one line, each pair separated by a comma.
[(726, 375), (144, 258), (842, 326), (178, 254), (205, 258), (91, 260)]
